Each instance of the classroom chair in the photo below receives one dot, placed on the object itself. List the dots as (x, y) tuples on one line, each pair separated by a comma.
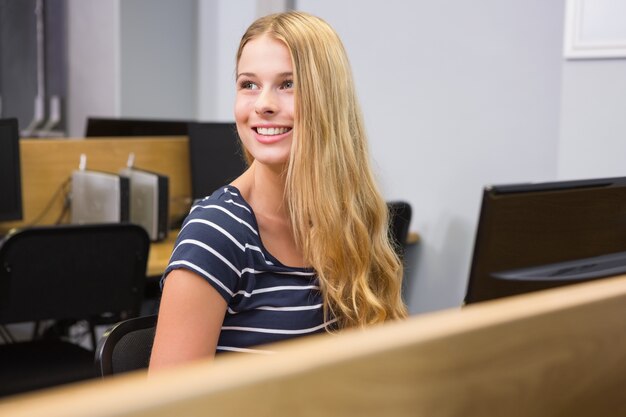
[(126, 346), (399, 222), (65, 274)]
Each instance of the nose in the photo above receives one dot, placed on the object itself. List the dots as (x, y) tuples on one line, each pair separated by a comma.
[(266, 103)]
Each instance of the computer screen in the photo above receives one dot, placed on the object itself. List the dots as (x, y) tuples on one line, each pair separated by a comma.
[(10, 176), (112, 127), (215, 157), (532, 237)]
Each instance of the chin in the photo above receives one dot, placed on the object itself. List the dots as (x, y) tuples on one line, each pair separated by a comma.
[(273, 157), (274, 163)]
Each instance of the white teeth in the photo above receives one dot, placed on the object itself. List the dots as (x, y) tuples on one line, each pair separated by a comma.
[(269, 131)]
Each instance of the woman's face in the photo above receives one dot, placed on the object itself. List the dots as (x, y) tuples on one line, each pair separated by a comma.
[(264, 105)]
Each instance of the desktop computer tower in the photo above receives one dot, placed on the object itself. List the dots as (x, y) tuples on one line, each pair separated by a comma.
[(149, 198), (99, 197)]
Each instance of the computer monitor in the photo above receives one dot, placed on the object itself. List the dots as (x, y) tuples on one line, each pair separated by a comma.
[(532, 237), (112, 127), (10, 176), (215, 157)]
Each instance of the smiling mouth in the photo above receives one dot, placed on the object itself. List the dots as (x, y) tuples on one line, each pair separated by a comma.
[(271, 131)]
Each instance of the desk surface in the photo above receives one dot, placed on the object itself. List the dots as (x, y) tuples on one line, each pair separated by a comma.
[(160, 254)]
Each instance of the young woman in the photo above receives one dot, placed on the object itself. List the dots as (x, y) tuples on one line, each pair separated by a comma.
[(299, 243)]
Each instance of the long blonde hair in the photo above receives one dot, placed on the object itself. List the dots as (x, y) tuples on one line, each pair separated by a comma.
[(338, 216)]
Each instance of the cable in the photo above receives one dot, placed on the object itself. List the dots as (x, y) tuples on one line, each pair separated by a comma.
[(51, 202), (66, 204)]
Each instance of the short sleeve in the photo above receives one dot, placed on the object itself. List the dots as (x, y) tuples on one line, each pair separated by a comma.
[(208, 246)]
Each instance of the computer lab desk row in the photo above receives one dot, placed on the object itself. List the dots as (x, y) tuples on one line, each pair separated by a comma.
[(47, 164)]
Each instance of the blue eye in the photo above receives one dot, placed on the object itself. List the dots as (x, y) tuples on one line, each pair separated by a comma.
[(287, 84)]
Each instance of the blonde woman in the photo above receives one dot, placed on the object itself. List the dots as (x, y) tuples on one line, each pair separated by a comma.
[(299, 243)]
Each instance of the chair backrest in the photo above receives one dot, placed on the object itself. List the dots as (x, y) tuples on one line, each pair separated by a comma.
[(399, 222), (73, 272), (126, 346)]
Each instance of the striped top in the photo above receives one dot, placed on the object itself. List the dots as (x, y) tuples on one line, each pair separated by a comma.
[(267, 301)]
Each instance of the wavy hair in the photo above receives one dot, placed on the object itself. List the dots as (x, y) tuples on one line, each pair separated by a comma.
[(339, 218)]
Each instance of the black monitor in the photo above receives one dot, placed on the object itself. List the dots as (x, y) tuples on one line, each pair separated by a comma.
[(112, 127), (215, 157), (532, 237), (10, 176)]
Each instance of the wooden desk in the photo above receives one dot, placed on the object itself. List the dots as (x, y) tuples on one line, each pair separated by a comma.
[(47, 164), (559, 352), (159, 255)]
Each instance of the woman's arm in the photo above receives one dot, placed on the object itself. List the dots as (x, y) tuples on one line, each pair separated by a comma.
[(190, 318)]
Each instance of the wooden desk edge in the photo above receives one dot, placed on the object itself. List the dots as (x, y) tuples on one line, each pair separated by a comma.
[(198, 387)]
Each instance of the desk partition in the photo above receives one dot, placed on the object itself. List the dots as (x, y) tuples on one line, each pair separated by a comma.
[(556, 352), (48, 163)]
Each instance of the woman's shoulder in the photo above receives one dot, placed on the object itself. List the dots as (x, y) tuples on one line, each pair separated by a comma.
[(225, 208)]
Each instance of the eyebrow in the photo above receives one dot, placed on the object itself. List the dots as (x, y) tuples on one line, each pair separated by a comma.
[(251, 74)]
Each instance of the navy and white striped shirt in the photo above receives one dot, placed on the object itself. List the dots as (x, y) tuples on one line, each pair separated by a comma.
[(267, 301)]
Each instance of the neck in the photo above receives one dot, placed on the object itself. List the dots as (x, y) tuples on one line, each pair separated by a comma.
[(264, 189)]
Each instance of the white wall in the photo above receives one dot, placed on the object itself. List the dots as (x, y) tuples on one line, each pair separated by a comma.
[(158, 59), (93, 67), (132, 58), (593, 126), (456, 95), (221, 24), (593, 119)]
